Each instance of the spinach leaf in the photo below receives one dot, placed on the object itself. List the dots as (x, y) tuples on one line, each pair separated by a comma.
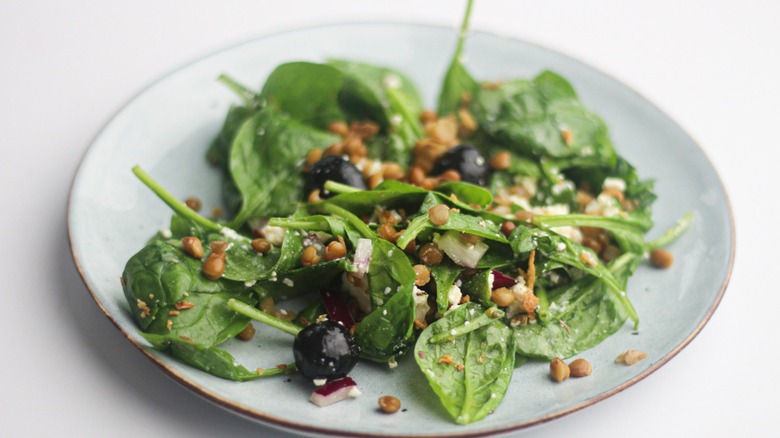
[(213, 360), (384, 333), (306, 91), (301, 281), (470, 373), (389, 194), (168, 294), (542, 118), (579, 316), (460, 222), (444, 276), (466, 193), (265, 163), (218, 153), (390, 272), (383, 95), (457, 81)]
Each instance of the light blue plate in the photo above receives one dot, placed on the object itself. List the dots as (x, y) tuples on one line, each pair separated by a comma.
[(168, 127)]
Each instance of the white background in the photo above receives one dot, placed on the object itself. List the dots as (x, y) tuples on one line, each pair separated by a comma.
[(67, 66)]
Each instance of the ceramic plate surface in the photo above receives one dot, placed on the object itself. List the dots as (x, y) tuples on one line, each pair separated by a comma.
[(168, 127)]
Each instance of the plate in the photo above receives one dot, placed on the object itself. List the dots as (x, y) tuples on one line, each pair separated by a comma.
[(169, 125)]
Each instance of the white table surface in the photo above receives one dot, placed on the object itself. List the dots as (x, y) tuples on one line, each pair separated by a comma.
[(67, 66)]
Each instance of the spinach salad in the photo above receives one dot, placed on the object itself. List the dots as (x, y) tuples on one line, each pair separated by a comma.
[(500, 228)]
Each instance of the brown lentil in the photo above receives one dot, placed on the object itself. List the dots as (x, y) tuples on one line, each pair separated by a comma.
[(339, 128), (502, 297), (192, 246), (469, 239), (334, 149), (630, 357), (450, 175), (335, 250), (431, 254), (309, 256), (467, 120), (428, 116), (261, 245), (388, 232), (559, 371), (580, 368), (507, 228), (501, 161), (393, 171), (389, 404), (219, 246), (661, 258), (193, 203), (374, 180), (523, 215), (439, 214), (214, 266), (593, 244), (313, 156), (314, 196), (422, 275), (416, 175), (247, 333)]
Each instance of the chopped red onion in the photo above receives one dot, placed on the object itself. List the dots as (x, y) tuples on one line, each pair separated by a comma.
[(335, 391)]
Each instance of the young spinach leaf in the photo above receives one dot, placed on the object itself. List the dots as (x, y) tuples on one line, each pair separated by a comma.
[(265, 163), (168, 294), (458, 82), (306, 91), (469, 374), (579, 316), (212, 360)]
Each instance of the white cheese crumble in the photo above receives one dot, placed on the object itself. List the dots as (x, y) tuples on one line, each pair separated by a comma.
[(274, 235), (166, 233), (614, 183)]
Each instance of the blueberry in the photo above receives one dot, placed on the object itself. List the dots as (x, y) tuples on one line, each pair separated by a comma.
[(325, 350), (467, 161), (334, 168)]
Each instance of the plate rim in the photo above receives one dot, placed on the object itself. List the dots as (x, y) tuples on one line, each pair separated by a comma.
[(289, 426)]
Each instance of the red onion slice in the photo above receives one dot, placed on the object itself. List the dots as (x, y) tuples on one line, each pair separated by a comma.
[(502, 280), (334, 392)]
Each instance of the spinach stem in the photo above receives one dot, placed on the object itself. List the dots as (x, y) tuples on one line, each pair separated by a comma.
[(612, 223), (314, 223), (278, 370), (464, 28), (337, 187), (672, 233), (361, 226), (267, 319), (406, 117), (247, 95), (178, 206)]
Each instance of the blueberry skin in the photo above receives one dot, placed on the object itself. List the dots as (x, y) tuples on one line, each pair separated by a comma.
[(334, 168), (325, 350), (467, 161)]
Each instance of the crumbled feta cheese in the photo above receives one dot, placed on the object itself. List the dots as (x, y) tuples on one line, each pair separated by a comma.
[(166, 233), (420, 304), (454, 297), (274, 235), (614, 183), (288, 282)]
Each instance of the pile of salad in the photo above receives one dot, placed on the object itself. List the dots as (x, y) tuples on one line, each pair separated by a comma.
[(499, 228)]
